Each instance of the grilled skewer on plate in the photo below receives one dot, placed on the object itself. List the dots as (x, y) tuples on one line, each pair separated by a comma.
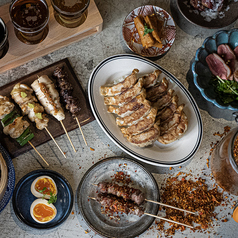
[(48, 96), (22, 95)]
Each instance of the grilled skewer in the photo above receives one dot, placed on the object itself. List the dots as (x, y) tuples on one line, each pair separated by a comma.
[(129, 193), (14, 125), (48, 96), (66, 90), (22, 95), (114, 204)]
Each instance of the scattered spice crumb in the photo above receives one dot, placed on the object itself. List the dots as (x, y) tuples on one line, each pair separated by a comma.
[(92, 149), (72, 212), (170, 168)]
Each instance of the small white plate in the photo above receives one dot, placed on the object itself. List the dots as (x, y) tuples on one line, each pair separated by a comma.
[(176, 153), (131, 35)]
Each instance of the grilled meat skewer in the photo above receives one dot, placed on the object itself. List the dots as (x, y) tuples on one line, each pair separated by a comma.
[(126, 192)]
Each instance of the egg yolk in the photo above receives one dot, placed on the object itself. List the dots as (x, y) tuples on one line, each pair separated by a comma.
[(235, 215), (46, 185), (43, 212)]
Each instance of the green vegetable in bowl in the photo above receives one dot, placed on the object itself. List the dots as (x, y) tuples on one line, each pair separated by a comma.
[(227, 90)]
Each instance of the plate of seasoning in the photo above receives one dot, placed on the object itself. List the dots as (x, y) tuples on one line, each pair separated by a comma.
[(123, 172), (23, 199)]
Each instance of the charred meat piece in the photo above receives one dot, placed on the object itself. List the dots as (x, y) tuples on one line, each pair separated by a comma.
[(158, 90), (66, 91), (144, 124), (125, 96), (126, 192), (116, 205), (120, 87), (5, 106), (151, 79), (135, 116), (218, 66), (236, 51), (145, 138)]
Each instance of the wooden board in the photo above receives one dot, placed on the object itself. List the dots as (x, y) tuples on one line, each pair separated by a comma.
[(58, 37), (85, 115)]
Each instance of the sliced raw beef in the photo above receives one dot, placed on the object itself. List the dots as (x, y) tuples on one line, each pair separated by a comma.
[(228, 55)]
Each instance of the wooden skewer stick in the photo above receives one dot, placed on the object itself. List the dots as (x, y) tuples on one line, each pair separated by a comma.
[(162, 204), (55, 142), (168, 220), (162, 218), (68, 136), (38, 152), (81, 131)]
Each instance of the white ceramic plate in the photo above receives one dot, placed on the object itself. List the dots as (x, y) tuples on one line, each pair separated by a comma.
[(176, 153), (131, 36)]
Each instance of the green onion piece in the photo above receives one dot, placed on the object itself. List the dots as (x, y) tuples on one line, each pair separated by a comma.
[(23, 94)]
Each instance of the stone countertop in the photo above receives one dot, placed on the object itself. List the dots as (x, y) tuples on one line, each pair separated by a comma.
[(84, 56)]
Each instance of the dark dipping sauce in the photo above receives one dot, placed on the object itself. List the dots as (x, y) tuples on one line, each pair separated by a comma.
[(30, 14), (2, 34)]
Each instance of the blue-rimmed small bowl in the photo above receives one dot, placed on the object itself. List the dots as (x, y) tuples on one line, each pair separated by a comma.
[(201, 73)]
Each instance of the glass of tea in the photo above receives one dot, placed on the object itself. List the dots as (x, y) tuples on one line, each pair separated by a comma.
[(4, 45), (30, 19), (70, 13)]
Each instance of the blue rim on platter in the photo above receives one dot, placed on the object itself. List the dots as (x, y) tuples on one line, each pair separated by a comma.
[(11, 179), (23, 198), (174, 154), (201, 73), (128, 225)]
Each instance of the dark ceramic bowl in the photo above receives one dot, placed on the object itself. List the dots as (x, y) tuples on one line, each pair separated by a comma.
[(224, 18), (201, 73)]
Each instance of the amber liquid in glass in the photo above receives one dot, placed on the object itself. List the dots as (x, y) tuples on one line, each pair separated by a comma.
[(70, 13), (30, 18), (3, 42)]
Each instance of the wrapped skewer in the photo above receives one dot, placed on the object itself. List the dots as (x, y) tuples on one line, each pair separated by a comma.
[(66, 92), (14, 125), (48, 96), (22, 95)]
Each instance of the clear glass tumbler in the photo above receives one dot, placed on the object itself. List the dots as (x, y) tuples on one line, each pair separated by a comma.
[(30, 19), (224, 162), (4, 45), (70, 13)]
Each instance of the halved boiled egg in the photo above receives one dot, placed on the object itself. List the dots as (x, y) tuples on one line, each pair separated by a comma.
[(44, 187), (41, 211)]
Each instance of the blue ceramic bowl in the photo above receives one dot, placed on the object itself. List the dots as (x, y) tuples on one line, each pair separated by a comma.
[(201, 73)]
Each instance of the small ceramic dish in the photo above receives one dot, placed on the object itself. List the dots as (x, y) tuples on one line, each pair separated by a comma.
[(214, 20), (201, 73), (131, 36)]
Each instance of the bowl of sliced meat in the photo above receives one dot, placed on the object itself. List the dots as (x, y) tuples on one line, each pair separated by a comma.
[(215, 69)]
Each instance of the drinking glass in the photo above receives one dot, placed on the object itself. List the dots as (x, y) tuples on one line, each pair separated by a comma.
[(70, 13), (4, 45), (30, 19)]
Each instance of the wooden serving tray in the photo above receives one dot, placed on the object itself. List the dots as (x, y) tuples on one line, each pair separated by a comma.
[(41, 136), (58, 37)]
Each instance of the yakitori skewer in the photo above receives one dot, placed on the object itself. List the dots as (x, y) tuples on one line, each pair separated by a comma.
[(14, 125), (48, 96), (115, 204), (66, 92), (22, 95), (129, 193)]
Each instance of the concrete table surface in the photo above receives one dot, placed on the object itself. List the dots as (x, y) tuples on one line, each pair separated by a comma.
[(84, 56)]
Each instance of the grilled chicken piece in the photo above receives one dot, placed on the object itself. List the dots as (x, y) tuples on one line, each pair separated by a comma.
[(151, 79), (145, 138), (16, 128), (176, 131), (158, 90), (130, 107), (120, 87), (48, 96), (169, 110), (164, 100), (144, 124), (166, 125), (22, 95), (135, 116), (125, 96), (5, 106)]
